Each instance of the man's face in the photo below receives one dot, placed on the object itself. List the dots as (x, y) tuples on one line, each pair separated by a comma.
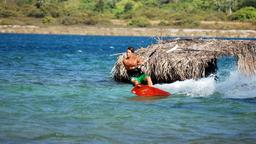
[(128, 53)]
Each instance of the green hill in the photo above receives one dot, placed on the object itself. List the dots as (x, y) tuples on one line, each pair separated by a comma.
[(137, 13)]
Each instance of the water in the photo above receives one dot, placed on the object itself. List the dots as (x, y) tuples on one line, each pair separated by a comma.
[(58, 89)]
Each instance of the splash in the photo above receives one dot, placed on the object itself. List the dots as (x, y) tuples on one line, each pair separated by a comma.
[(236, 85), (195, 88)]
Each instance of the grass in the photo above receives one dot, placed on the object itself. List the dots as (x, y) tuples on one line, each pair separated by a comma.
[(127, 13), (140, 22)]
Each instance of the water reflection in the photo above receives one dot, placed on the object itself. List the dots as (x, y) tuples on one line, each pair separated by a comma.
[(144, 99)]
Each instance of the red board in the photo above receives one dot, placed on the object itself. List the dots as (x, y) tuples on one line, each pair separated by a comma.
[(147, 91)]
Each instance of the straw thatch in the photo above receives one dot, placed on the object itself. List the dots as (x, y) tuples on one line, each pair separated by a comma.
[(182, 59)]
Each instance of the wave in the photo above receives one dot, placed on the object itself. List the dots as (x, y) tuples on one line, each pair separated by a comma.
[(196, 88), (236, 85)]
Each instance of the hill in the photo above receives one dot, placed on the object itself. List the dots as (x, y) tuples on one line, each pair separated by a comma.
[(214, 14)]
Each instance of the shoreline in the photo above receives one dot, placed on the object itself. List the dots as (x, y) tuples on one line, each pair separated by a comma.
[(125, 31)]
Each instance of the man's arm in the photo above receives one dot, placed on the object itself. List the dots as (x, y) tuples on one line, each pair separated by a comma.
[(124, 64)]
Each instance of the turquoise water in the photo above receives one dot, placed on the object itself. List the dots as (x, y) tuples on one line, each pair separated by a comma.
[(58, 89)]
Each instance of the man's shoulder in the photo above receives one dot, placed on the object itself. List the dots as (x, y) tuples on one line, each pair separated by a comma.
[(124, 59)]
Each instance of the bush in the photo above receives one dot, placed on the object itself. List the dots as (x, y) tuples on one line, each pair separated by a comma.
[(86, 18), (4, 13), (21, 3), (36, 13), (105, 22), (48, 20), (11, 22), (187, 22), (244, 14), (125, 6), (52, 10), (99, 6), (215, 16), (70, 20), (71, 12), (150, 13), (90, 21), (26, 10), (128, 15), (247, 3), (128, 6), (6, 22), (140, 22), (94, 20), (164, 23), (176, 16)]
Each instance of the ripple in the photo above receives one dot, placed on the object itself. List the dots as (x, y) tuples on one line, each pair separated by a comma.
[(58, 89)]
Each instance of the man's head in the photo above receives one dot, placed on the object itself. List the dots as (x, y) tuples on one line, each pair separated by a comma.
[(129, 52)]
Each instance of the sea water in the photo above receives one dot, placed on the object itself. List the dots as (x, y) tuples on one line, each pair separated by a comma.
[(58, 89)]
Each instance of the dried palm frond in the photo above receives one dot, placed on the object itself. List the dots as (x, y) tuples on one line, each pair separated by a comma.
[(182, 59)]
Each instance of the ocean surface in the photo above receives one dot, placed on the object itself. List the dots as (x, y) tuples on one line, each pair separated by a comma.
[(58, 89)]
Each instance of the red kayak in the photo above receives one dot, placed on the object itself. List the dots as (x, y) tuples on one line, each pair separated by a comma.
[(147, 91)]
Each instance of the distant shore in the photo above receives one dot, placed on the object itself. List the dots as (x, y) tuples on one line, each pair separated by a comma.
[(126, 31)]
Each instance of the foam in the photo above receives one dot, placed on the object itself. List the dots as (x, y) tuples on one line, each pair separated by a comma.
[(236, 85), (195, 88)]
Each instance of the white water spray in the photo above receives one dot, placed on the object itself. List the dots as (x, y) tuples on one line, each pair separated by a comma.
[(196, 88), (236, 85)]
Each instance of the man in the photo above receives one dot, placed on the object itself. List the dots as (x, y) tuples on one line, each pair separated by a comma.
[(131, 63)]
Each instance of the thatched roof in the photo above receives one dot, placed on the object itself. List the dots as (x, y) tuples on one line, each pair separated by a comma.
[(182, 59)]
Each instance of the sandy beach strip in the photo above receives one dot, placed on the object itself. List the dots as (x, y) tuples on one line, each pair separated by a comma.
[(126, 31)]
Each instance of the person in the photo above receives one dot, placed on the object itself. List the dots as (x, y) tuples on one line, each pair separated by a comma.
[(132, 63)]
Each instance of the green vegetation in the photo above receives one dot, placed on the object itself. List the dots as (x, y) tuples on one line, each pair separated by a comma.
[(140, 22), (137, 13), (245, 14)]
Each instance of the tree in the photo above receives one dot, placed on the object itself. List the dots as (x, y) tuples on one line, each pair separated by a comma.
[(39, 3), (128, 6), (226, 5), (229, 7), (165, 1), (247, 3), (99, 7), (111, 4)]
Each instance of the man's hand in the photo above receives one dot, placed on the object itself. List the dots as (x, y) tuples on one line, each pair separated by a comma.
[(138, 85)]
